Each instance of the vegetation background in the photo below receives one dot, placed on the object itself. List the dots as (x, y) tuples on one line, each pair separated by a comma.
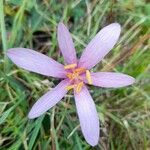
[(124, 113)]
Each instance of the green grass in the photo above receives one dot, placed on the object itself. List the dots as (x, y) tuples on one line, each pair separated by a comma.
[(124, 113)]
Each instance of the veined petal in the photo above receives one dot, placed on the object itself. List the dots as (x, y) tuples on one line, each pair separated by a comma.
[(88, 116), (100, 45), (66, 44), (48, 100), (111, 79), (36, 62)]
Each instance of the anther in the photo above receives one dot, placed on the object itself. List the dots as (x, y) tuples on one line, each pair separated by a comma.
[(70, 66), (79, 87), (69, 75), (70, 87), (80, 70), (88, 77)]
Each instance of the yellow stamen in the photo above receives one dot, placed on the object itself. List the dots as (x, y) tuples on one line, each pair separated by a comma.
[(69, 75), (74, 76), (69, 87), (88, 77), (79, 70), (76, 73), (79, 87), (70, 66)]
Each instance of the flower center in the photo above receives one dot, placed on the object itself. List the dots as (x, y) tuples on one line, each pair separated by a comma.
[(74, 75)]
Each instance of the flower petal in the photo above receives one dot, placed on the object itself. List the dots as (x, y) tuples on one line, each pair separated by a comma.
[(66, 44), (48, 100), (88, 116), (111, 79), (100, 45), (36, 62)]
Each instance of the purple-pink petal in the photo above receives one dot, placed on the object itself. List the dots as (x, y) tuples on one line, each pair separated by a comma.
[(36, 62), (100, 45), (88, 116), (66, 44), (111, 79), (48, 100)]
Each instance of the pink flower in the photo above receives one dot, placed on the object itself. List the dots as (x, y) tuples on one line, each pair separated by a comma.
[(75, 74)]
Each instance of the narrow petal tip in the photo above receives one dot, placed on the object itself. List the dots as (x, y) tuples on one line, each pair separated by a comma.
[(12, 53), (9, 52), (116, 24), (93, 142), (131, 80), (61, 24), (32, 115)]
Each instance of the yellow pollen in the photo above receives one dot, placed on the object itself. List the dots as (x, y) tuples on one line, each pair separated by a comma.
[(70, 66), (69, 75), (70, 87), (79, 70), (88, 77), (72, 76), (79, 87), (76, 73), (75, 77)]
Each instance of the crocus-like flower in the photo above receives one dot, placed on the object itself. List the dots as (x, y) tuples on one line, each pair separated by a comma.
[(75, 74)]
